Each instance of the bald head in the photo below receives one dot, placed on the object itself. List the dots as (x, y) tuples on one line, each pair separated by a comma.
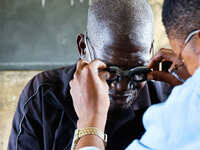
[(120, 33), (120, 20)]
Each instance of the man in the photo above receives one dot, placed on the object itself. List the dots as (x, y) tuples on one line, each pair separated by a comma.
[(119, 33), (174, 124)]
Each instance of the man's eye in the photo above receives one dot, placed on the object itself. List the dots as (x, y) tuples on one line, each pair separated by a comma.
[(113, 76)]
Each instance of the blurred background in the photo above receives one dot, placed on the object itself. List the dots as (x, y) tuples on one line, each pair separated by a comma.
[(37, 35)]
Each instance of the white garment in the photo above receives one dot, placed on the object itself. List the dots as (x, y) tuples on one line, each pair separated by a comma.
[(89, 148)]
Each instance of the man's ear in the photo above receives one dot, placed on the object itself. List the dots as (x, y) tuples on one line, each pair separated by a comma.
[(81, 45)]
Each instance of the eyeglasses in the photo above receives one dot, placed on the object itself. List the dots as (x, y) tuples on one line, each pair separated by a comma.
[(88, 42), (137, 74), (187, 40)]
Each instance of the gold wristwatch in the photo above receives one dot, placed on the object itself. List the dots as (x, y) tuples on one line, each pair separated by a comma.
[(87, 131)]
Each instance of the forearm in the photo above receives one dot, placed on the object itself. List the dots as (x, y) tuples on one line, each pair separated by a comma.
[(91, 103)]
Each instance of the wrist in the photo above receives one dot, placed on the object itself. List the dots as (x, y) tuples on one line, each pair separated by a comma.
[(97, 122), (89, 136)]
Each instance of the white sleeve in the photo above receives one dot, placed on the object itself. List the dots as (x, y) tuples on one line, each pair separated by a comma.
[(89, 148), (175, 124), (137, 145)]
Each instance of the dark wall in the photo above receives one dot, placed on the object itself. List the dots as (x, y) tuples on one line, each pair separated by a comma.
[(33, 37)]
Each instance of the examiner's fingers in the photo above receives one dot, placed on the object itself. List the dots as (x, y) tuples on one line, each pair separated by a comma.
[(71, 83), (162, 55), (167, 50), (96, 65), (163, 76), (80, 65)]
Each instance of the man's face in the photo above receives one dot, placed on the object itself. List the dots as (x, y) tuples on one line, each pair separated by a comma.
[(125, 55)]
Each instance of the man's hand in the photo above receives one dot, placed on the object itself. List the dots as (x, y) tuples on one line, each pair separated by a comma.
[(169, 56), (89, 92)]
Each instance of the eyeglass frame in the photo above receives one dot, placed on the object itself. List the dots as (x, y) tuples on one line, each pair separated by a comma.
[(120, 73), (128, 73)]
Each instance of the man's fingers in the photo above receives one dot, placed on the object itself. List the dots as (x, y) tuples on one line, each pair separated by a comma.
[(163, 76)]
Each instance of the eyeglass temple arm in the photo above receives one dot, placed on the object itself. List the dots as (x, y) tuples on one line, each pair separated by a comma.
[(191, 35)]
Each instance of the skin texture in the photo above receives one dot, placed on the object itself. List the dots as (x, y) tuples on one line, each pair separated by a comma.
[(169, 56), (190, 53), (123, 39), (84, 106)]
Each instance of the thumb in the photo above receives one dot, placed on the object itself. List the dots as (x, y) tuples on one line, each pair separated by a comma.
[(164, 76)]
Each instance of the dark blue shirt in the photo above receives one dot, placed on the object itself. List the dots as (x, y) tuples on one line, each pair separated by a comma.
[(45, 118)]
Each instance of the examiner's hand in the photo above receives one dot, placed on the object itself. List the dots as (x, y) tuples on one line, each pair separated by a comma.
[(89, 92), (169, 56)]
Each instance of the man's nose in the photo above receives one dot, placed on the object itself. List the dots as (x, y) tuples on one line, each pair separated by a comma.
[(122, 85)]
